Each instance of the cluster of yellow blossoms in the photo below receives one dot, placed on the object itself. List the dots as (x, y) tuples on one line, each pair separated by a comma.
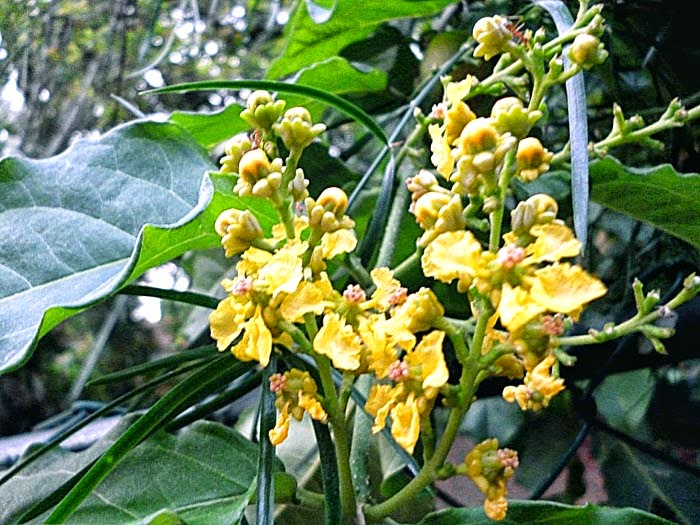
[(282, 297)]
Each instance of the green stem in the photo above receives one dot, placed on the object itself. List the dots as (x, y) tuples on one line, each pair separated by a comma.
[(630, 326), (337, 419), (407, 264), (468, 382), (496, 217)]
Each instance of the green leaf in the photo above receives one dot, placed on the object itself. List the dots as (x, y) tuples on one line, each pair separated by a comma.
[(623, 399), (539, 512), (210, 129), (201, 383), (76, 227), (336, 75), (636, 479), (350, 109), (73, 227), (204, 475), (659, 196), (578, 125), (309, 42)]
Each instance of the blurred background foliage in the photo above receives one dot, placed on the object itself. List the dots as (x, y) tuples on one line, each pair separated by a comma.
[(72, 69)]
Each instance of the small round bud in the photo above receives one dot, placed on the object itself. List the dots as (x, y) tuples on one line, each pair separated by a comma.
[(333, 199), (296, 128), (234, 149), (428, 207), (478, 135), (261, 111), (254, 165), (237, 228), (258, 98), (587, 51), (545, 208), (532, 158), (511, 116)]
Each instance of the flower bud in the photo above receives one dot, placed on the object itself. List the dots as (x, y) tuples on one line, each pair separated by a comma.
[(492, 34), (261, 111), (428, 207), (237, 228), (421, 309), (254, 165), (587, 51), (235, 148), (333, 199), (296, 128), (458, 116), (510, 115), (532, 158), (478, 135), (298, 186)]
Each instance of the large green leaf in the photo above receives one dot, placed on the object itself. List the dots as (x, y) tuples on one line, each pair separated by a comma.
[(204, 475), (637, 479), (76, 227), (309, 42), (659, 196), (539, 512), (210, 129)]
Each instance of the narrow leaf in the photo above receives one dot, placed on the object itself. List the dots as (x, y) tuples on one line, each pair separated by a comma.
[(200, 383), (578, 126), (337, 102), (204, 475), (531, 512)]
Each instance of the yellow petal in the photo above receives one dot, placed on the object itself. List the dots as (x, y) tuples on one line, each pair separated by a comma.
[(385, 288), (453, 255), (226, 322), (565, 288), (429, 357), (313, 407), (282, 273), (380, 401), (381, 351), (405, 424), (337, 242), (251, 261), (278, 434), (339, 342), (442, 154), (517, 307), (554, 241), (256, 344), (307, 298)]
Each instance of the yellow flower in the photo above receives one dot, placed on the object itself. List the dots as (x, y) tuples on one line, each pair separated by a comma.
[(309, 297), (441, 152), (380, 401), (338, 341), (405, 423), (252, 260), (517, 307), (538, 387), (565, 288), (381, 351), (227, 321), (388, 291), (256, 344), (282, 273), (427, 356), (278, 434), (313, 407), (553, 241), (337, 242), (454, 255)]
